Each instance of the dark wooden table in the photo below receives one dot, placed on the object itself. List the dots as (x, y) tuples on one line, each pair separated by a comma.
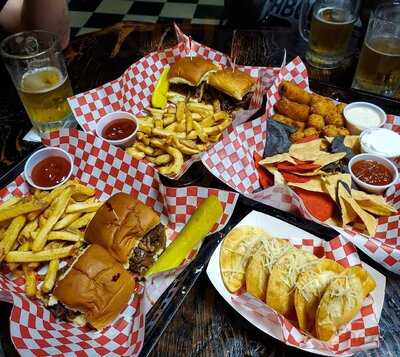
[(204, 325)]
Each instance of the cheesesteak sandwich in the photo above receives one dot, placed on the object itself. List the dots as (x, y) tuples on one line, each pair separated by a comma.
[(94, 289), (129, 230)]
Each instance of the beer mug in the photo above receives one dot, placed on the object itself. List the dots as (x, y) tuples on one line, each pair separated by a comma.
[(36, 66), (331, 26), (378, 68)]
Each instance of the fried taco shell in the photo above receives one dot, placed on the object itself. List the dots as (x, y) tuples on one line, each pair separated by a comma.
[(261, 264), (237, 248), (342, 301), (282, 280), (310, 286)]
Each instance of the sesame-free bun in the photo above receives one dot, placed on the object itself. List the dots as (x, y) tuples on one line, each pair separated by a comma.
[(191, 71), (97, 286), (119, 225), (234, 83)]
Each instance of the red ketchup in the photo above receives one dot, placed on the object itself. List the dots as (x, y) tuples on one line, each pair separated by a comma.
[(51, 171), (118, 129)]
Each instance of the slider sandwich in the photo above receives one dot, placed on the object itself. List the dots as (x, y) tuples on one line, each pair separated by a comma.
[(188, 75), (200, 80), (94, 289), (129, 230)]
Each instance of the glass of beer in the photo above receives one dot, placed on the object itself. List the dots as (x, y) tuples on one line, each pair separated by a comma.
[(36, 65), (378, 69), (331, 27)]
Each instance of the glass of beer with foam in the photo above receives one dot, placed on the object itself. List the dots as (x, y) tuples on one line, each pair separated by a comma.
[(36, 65), (378, 68), (331, 27)]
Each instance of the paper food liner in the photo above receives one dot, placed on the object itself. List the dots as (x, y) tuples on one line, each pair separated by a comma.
[(231, 160), (132, 91), (34, 331), (360, 334)]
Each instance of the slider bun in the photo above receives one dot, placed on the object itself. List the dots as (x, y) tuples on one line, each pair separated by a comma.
[(96, 286), (233, 83), (191, 71), (119, 225)]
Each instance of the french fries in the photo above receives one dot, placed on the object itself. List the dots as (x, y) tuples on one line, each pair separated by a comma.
[(65, 236), (30, 281), (41, 256), (22, 208), (37, 230), (83, 207), (58, 207), (167, 137), (10, 235), (51, 276)]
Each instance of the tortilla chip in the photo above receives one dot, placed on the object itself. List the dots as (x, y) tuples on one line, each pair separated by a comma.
[(350, 210), (282, 280), (278, 178), (277, 158), (375, 204), (309, 151), (310, 286), (237, 248), (315, 184), (353, 142), (330, 183), (326, 158)]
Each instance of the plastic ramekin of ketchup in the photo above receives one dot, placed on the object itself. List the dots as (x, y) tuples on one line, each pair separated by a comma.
[(48, 168), (117, 128)]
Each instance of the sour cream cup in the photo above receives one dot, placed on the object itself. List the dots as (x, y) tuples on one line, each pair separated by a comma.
[(363, 115), (380, 159), (41, 155), (109, 118), (380, 141)]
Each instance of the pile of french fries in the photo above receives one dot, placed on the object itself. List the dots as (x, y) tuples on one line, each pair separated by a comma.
[(44, 228), (167, 137)]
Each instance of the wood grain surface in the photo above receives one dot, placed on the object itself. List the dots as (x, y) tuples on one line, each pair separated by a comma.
[(204, 325)]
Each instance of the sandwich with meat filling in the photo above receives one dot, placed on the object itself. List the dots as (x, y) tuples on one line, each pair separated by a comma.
[(93, 290), (203, 81), (129, 230)]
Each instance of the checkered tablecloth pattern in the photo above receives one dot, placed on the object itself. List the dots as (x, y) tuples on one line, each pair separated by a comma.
[(132, 91), (109, 170), (360, 334), (231, 160)]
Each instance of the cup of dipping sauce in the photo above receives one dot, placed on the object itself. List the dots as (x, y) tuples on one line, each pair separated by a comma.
[(48, 168), (117, 128), (380, 141), (363, 115), (373, 173)]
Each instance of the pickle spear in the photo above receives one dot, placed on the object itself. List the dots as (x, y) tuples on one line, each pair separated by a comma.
[(203, 219)]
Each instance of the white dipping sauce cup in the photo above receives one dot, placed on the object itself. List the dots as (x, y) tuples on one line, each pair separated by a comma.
[(108, 118), (356, 128), (39, 156), (382, 160), (382, 142)]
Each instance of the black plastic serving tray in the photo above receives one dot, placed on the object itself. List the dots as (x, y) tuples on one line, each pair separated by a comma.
[(161, 314)]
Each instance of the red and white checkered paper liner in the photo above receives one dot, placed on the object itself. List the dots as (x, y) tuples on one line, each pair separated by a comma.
[(231, 160), (360, 334), (132, 91), (109, 170)]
